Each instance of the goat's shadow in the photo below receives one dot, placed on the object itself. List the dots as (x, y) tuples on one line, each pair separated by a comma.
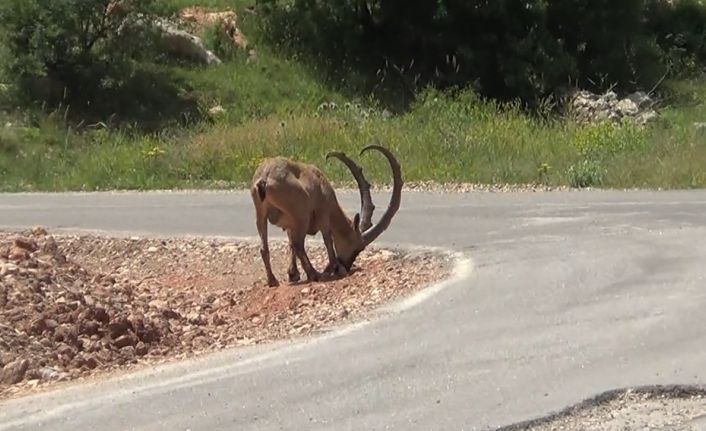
[(326, 277)]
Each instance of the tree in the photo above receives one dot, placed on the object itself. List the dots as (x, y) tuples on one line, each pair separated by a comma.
[(76, 45)]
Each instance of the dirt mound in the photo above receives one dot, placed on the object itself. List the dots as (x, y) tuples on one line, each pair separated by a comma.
[(60, 319), (72, 306)]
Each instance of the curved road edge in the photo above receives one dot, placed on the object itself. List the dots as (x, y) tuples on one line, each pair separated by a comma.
[(671, 391), (111, 389)]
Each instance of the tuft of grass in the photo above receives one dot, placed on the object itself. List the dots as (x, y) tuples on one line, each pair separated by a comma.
[(172, 7), (586, 173), (176, 5)]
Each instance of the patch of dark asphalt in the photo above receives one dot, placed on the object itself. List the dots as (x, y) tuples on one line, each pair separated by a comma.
[(673, 392)]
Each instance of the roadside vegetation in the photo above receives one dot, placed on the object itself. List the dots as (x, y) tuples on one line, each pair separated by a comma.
[(483, 104)]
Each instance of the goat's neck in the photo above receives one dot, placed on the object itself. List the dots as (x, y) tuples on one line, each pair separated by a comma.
[(341, 226)]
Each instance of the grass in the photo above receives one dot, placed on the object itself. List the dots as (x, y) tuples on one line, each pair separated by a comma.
[(278, 106), (443, 139), (215, 4), (245, 90)]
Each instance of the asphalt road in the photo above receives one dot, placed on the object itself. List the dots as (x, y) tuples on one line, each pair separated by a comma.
[(567, 295)]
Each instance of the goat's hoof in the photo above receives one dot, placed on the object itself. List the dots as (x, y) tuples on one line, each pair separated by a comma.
[(313, 277), (273, 282), (294, 277), (335, 270)]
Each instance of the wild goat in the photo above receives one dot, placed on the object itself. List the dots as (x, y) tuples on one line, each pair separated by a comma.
[(298, 198)]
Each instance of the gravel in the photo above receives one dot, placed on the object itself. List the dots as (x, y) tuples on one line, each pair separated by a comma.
[(73, 306), (409, 186), (432, 186), (674, 408)]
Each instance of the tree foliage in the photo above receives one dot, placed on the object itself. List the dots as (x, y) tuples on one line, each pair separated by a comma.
[(76, 45), (507, 49), (504, 49)]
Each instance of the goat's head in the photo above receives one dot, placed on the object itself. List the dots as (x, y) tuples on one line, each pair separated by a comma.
[(361, 230)]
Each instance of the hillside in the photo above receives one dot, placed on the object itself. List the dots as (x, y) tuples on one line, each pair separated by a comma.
[(176, 123)]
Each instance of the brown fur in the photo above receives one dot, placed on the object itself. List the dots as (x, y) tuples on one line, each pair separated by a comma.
[(299, 199)]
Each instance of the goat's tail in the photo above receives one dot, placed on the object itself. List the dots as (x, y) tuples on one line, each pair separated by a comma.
[(261, 189)]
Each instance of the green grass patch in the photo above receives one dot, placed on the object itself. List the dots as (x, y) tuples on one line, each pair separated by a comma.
[(256, 89), (446, 139), (176, 5)]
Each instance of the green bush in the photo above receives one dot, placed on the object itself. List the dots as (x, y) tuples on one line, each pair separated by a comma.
[(502, 47), (69, 49), (680, 31), (607, 41), (505, 49), (220, 43), (93, 62), (586, 173), (604, 140)]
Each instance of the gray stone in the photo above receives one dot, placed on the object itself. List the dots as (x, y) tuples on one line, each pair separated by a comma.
[(640, 98), (588, 107), (14, 372), (175, 41), (627, 107), (647, 117), (183, 44)]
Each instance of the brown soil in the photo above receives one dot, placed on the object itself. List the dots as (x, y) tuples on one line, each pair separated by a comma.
[(76, 306)]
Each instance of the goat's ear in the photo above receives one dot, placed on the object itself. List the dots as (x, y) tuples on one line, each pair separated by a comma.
[(356, 222)]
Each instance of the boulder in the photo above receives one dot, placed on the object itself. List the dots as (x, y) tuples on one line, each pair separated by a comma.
[(627, 107), (640, 98), (587, 107), (185, 45)]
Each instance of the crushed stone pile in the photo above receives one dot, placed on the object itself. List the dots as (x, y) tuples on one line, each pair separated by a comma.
[(587, 107), (72, 306)]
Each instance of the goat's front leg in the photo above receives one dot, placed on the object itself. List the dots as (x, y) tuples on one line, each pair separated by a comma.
[(296, 241), (334, 266)]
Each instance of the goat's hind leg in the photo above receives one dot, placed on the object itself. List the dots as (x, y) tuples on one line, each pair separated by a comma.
[(265, 248), (296, 241), (293, 271)]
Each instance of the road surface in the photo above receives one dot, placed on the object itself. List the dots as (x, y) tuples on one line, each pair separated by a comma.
[(569, 294)]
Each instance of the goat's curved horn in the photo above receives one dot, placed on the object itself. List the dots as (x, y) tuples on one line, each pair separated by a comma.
[(366, 201), (371, 234)]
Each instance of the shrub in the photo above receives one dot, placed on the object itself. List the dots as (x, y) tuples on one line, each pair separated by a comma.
[(505, 49), (604, 140), (68, 49), (586, 173), (502, 47), (680, 30), (220, 43), (608, 42)]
